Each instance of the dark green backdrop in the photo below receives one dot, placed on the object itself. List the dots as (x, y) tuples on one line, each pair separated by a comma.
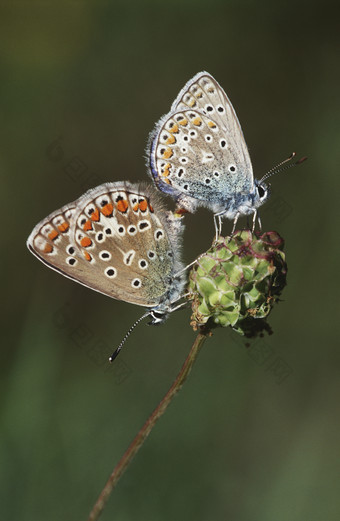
[(242, 441)]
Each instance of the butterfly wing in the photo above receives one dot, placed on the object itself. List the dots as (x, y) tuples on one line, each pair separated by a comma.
[(116, 242), (198, 150), (51, 242)]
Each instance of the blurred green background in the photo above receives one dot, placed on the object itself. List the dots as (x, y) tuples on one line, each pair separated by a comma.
[(254, 435)]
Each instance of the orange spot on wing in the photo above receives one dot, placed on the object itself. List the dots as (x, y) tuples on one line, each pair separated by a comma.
[(107, 210), (168, 153), (95, 215), (86, 242), (151, 208), (174, 129), (167, 170), (197, 121), (53, 235), (143, 205), (87, 226), (167, 181), (171, 140), (122, 205), (211, 124), (48, 248), (135, 208), (87, 256), (192, 102), (63, 227), (183, 122)]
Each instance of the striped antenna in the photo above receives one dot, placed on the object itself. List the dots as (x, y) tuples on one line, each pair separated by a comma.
[(277, 168), (117, 351)]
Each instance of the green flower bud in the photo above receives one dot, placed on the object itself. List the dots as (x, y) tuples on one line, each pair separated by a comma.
[(237, 281)]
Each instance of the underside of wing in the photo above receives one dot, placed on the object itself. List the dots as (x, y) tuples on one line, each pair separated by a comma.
[(198, 152), (112, 241), (193, 154), (203, 93)]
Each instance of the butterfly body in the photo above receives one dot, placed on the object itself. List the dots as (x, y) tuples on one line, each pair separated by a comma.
[(116, 239), (198, 154)]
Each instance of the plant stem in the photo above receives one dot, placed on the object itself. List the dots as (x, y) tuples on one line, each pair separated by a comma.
[(138, 441)]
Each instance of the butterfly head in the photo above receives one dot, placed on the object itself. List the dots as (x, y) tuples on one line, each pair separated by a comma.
[(157, 317)]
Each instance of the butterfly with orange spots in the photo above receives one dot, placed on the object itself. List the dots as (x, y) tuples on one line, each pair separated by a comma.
[(116, 239)]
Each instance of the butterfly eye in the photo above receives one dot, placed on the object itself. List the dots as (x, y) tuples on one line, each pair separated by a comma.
[(261, 191), (157, 317)]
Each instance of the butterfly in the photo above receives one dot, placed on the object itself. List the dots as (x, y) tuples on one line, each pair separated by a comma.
[(198, 155), (117, 239)]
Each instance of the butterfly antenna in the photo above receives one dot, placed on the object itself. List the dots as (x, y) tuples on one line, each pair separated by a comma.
[(276, 169), (117, 351)]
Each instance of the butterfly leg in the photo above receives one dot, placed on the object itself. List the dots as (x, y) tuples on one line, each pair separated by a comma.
[(182, 305), (188, 266), (235, 222), (218, 226), (254, 221), (256, 215)]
